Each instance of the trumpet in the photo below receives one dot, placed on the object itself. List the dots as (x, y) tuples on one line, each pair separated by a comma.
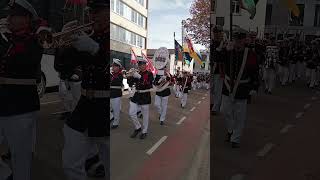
[(131, 72), (64, 38)]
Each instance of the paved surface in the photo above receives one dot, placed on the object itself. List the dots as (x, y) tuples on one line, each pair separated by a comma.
[(129, 157), (279, 140)]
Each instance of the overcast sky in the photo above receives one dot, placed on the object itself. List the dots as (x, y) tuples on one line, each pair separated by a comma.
[(165, 18)]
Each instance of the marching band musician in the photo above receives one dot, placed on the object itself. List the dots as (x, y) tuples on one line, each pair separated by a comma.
[(238, 87), (185, 84), (20, 71), (116, 91), (272, 57), (87, 126), (142, 98), (162, 97)]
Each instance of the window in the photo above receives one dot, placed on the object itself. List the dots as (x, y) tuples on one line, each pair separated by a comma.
[(121, 8), (112, 4), (120, 34), (220, 21), (133, 39), (118, 6), (236, 7), (268, 14), (317, 16), (297, 21)]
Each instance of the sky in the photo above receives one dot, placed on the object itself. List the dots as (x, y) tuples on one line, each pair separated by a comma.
[(165, 17)]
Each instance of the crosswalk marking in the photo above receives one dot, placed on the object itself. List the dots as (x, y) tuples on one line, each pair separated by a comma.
[(286, 129), (199, 102), (193, 109), (299, 115), (150, 151)]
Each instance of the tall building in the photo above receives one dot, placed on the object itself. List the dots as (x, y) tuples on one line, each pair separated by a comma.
[(128, 29)]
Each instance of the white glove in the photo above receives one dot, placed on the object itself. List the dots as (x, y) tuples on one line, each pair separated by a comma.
[(4, 26), (253, 93), (136, 75), (85, 44), (162, 78), (75, 77)]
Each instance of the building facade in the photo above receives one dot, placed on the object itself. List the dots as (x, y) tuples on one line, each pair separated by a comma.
[(128, 29), (272, 17)]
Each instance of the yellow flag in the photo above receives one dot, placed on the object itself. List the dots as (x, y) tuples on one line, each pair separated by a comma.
[(292, 5)]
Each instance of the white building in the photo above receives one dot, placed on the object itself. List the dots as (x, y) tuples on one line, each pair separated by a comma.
[(128, 28), (272, 17)]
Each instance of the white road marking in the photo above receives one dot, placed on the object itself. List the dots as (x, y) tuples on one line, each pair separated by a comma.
[(299, 115), (192, 109), (237, 177), (306, 106), (61, 112), (314, 98), (157, 145), (265, 150), (203, 97), (51, 102), (286, 129), (199, 102), (181, 120), (205, 94)]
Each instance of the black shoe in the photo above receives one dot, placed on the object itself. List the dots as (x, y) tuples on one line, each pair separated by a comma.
[(91, 161), (269, 92), (10, 177), (135, 133), (139, 114), (143, 135), (228, 137), (114, 126), (98, 172), (161, 123), (266, 91), (235, 145), (6, 158)]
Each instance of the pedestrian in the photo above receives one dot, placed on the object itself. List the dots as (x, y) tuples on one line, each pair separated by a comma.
[(87, 126), (116, 91), (20, 70), (272, 57), (141, 99)]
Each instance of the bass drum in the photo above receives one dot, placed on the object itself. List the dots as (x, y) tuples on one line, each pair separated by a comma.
[(161, 58)]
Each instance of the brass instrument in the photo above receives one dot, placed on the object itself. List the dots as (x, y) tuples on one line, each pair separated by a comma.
[(65, 38), (132, 71)]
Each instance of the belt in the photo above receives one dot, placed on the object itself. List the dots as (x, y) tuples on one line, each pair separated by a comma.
[(115, 87), (12, 81), (95, 93), (144, 91), (241, 81)]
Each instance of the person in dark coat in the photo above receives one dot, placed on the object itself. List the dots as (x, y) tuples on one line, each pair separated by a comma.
[(116, 91)]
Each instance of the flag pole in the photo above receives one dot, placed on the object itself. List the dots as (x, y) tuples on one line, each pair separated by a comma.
[(182, 44), (175, 58), (231, 52)]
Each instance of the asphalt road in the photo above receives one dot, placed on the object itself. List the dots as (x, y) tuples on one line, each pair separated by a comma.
[(279, 140), (129, 157)]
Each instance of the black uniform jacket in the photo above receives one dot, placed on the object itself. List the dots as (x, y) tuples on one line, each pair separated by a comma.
[(91, 114), (116, 80), (165, 92), (67, 64), (145, 82), (20, 58), (249, 79)]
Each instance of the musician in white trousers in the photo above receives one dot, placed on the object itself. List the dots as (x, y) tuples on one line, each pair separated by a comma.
[(272, 57), (185, 83), (116, 91), (162, 97), (143, 81)]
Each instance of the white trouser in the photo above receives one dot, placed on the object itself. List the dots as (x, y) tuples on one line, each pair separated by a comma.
[(116, 105), (19, 132), (70, 97), (313, 76), (217, 92), (133, 115), (235, 114), (269, 78), (184, 99), (161, 104), (284, 74), (292, 72), (76, 150)]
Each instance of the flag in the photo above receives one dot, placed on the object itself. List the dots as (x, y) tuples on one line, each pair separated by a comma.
[(150, 66), (134, 59), (188, 48), (292, 6), (178, 51), (250, 6), (187, 58)]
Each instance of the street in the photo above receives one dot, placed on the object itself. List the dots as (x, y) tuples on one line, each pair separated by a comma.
[(169, 150), (279, 140)]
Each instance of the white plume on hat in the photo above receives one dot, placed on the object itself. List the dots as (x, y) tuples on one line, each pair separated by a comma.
[(26, 5), (117, 61)]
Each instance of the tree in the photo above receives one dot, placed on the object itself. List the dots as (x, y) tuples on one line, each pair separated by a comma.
[(198, 26)]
